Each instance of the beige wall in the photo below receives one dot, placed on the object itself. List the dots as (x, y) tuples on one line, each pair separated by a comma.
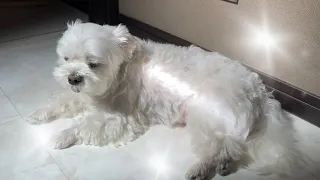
[(229, 29)]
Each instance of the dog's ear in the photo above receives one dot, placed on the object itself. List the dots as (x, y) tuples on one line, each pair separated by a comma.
[(126, 40), (122, 33), (73, 23)]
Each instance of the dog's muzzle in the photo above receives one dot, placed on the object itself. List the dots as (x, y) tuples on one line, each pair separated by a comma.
[(75, 79)]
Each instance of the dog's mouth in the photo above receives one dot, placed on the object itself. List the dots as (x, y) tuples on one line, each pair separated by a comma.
[(76, 89)]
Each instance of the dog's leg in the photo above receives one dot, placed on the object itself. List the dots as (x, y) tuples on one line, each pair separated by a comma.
[(231, 152), (66, 105), (217, 151), (42, 116), (202, 170), (99, 130), (217, 154), (217, 143), (64, 139)]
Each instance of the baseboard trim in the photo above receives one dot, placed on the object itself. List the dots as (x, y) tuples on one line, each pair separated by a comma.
[(296, 101)]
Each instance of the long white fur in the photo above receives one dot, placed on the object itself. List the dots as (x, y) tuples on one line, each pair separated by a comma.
[(225, 107)]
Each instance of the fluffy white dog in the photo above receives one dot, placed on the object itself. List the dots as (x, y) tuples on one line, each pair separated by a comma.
[(124, 85)]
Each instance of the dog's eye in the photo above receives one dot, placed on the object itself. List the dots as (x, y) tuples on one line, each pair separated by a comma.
[(93, 65), (66, 58)]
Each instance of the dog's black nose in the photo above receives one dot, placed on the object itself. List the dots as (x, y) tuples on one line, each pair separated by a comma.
[(74, 79)]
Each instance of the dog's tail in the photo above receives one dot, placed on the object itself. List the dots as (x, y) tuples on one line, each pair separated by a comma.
[(274, 149)]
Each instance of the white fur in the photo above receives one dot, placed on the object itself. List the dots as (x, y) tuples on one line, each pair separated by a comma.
[(136, 84)]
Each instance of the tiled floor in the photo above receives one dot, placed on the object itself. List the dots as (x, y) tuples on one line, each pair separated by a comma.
[(26, 62)]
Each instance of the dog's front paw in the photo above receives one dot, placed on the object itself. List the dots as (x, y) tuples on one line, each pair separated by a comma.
[(224, 167), (40, 116), (64, 139), (201, 171)]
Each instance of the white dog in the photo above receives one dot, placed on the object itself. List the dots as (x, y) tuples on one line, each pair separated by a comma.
[(125, 85)]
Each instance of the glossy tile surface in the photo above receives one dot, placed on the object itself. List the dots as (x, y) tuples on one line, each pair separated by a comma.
[(1, 93), (8, 112), (26, 74), (22, 156), (36, 20)]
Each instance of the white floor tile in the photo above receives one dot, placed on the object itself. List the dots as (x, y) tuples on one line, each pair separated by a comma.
[(137, 160), (26, 64), (246, 175), (33, 21), (314, 169), (305, 128), (30, 41), (309, 137), (1, 92), (7, 111), (169, 148), (26, 75), (310, 143), (23, 156)]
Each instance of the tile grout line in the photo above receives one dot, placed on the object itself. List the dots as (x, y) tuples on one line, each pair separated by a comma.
[(41, 34), (58, 165), (12, 104), (2, 91), (10, 120), (32, 44), (312, 175), (28, 124)]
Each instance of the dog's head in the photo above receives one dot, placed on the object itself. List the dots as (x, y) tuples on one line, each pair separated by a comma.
[(90, 56)]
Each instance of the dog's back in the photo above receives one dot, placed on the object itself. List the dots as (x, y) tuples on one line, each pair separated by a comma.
[(233, 102)]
